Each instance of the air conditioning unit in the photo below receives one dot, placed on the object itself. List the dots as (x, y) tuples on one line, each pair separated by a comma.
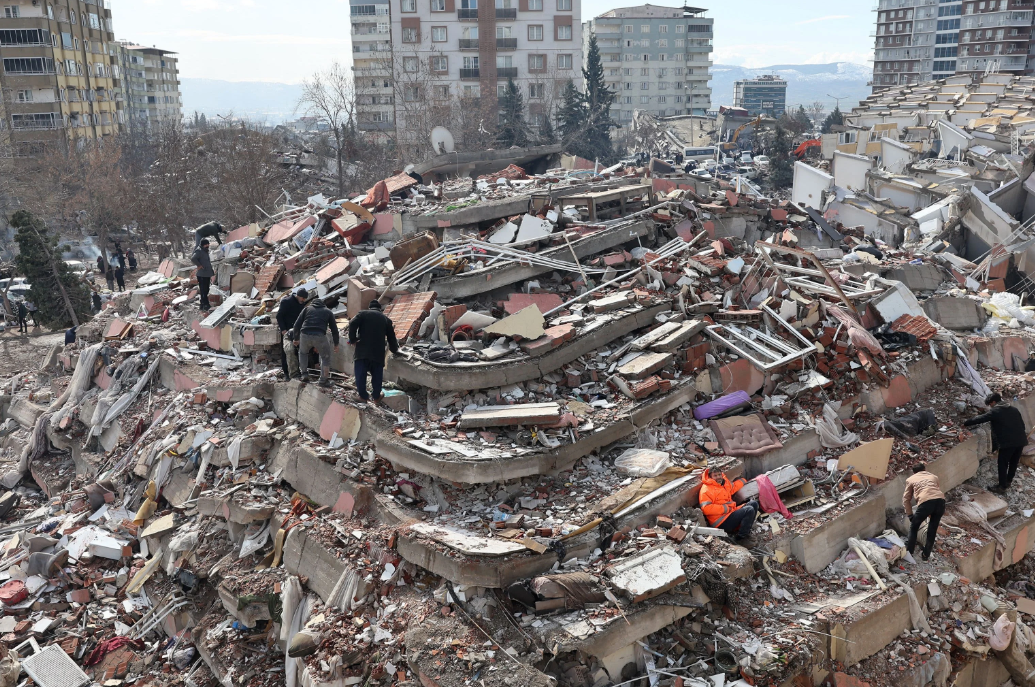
[(35, 3)]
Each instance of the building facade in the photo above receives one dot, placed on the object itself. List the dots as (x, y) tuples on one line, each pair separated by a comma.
[(150, 85), (425, 63), (920, 40), (59, 79), (764, 95), (657, 59)]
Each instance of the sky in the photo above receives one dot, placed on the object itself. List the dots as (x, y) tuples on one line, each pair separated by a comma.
[(271, 40)]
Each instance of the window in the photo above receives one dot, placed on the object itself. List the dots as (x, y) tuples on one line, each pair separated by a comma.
[(438, 34), (628, 28), (23, 37), (411, 94), (645, 58), (680, 28), (947, 25), (535, 32), (628, 86), (644, 28), (644, 99), (410, 64), (678, 71), (469, 33), (470, 63), (380, 117), (439, 63), (537, 63), (29, 65), (504, 61), (679, 98), (627, 100), (535, 5), (94, 21), (504, 32), (536, 91), (663, 86), (440, 92), (25, 96), (679, 42), (411, 35), (662, 42), (645, 85), (662, 99), (66, 40), (468, 4), (472, 91), (438, 5), (564, 32), (501, 90), (408, 5), (662, 57), (564, 5), (564, 61), (11, 12)]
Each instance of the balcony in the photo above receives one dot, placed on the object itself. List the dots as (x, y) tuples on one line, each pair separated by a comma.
[(506, 44), (506, 72), (467, 14), (506, 13), (470, 73), (375, 126), (468, 43)]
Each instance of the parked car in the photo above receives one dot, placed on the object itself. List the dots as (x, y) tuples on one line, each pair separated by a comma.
[(761, 161), (79, 267), (747, 171), (745, 158)]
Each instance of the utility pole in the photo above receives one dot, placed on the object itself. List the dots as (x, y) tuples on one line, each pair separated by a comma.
[(838, 99)]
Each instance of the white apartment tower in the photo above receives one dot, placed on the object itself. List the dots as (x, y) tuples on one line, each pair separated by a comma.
[(657, 59), (425, 63)]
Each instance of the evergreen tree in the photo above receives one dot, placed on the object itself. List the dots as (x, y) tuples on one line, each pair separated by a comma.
[(780, 160), (54, 286), (547, 136), (835, 118), (802, 117), (513, 130), (599, 99), (571, 118)]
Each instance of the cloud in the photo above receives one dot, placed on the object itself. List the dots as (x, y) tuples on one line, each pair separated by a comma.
[(829, 17)]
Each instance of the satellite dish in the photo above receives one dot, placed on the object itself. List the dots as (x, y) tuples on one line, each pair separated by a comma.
[(442, 140)]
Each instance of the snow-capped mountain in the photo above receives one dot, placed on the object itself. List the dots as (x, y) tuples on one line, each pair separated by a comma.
[(806, 83)]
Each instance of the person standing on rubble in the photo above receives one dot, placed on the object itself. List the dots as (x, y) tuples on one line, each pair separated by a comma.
[(23, 312), (1008, 433), (716, 499), (930, 504), (369, 332), (310, 331), (290, 308), (120, 277), (131, 257), (109, 276), (96, 302), (203, 262), (101, 264), (210, 230)]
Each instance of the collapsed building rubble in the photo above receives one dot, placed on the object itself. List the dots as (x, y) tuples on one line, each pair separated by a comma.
[(576, 350)]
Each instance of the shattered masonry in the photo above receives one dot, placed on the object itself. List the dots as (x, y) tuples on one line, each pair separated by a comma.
[(523, 509)]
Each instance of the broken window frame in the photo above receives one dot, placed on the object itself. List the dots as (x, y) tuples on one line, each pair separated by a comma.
[(768, 337)]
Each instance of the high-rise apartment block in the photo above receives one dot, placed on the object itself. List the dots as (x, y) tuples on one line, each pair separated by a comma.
[(657, 59), (765, 95), (414, 59), (920, 40), (150, 85), (59, 78)]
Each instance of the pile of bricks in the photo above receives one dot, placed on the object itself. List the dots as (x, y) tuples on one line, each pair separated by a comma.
[(551, 339), (408, 311), (918, 326)]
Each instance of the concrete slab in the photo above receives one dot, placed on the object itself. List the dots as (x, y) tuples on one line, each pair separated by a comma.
[(955, 313), (823, 544), (925, 277), (648, 574), (854, 641)]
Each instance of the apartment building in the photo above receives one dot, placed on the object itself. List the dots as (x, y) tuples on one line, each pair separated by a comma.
[(657, 59), (150, 85), (58, 79), (416, 61), (920, 40), (765, 95)]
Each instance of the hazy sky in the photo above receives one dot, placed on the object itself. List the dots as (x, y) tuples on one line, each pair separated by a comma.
[(273, 40)]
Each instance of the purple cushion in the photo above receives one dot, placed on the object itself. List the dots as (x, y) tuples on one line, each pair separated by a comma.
[(721, 405)]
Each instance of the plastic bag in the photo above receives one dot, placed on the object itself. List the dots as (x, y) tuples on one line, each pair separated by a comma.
[(830, 430), (642, 462), (1007, 306), (1002, 633)]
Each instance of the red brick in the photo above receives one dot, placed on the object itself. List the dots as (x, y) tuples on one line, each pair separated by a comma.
[(519, 301), (452, 314), (664, 521), (408, 311), (676, 534), (645, 387)]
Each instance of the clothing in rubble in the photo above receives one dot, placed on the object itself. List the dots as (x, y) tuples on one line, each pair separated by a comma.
[(370, 332)]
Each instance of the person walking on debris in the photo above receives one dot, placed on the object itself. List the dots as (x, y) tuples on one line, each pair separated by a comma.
[(203, 262), (925, 488), (109, 276), (369, 331), (310, 331), (101, 264), (131, 257), (23, 326), (96, 302), (120, 277), (1008, 433), (291, 307), (210, 230), (717, 504)]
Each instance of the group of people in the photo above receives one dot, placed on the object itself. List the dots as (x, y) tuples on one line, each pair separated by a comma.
[(923, 488), (114, 270), (304, 328)]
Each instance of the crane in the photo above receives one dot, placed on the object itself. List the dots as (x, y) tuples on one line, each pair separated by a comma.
[(732, 145), (799, 152)]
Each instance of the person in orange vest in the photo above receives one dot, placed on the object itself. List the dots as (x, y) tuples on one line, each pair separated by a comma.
[(716, 499)]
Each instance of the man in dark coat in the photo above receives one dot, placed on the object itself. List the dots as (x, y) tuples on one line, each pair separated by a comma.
[(120, 277), (101, 264), (369, 332), (310, 332), (203, 262), (290, 308), (210, 230), (131, 257), (23, 326), (1008, 433)]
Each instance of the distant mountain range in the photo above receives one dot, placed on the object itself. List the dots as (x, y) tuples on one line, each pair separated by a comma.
[(260, 101), (273, 103), (806, 83)]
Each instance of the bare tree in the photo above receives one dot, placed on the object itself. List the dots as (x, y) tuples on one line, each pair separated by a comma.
[(817, 111), (331, 97)]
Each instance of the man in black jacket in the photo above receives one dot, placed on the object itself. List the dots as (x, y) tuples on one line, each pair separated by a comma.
[(311, 332), (369, 331), (290, 308), (203, 262), (1008, 433)]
